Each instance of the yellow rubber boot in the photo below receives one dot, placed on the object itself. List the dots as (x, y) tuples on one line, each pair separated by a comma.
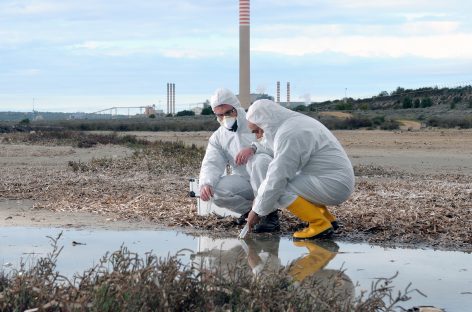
[(331, 218), (327, 214), (318, 225), (317, 258)]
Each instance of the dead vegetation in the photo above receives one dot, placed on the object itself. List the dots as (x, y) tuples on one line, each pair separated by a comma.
[(388, 207), (124, 281)]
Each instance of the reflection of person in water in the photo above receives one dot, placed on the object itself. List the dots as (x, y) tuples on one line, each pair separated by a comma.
[(311, 267), (262, 254), (259, 255)]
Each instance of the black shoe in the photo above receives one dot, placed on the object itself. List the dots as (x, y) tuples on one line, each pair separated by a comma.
[(242, 219), (269, 223)]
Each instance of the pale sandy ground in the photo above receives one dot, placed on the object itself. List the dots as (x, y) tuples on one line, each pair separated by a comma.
[(427, 151), (421, 152)]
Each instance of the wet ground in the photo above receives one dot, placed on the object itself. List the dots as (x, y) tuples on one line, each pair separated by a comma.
[(445, 277)]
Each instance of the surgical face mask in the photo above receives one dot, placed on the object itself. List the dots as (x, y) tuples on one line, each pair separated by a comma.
[(261, 139), (227, 122)]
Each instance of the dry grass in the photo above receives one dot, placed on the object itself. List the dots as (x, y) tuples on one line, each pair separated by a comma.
[(123, 281), (387, 207)]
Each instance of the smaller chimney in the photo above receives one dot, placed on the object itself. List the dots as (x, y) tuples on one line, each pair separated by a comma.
[(278, 92), (288, 94), (173, 98), (168, 98)]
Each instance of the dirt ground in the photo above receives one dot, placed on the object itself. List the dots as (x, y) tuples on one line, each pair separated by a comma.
[(413, 187)]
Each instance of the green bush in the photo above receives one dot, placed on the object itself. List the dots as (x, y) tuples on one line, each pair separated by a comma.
[(407, 102), (456, 99), (25, 121), (185, 113), (300, 108), (364, 106), (344, 106), (207, 111), (426, 102), (416, 103)]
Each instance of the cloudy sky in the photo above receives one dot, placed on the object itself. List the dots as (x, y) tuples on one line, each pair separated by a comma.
[(88, 55)]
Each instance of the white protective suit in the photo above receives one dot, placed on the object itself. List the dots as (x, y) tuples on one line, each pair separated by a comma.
[(308, 160), (235, 191)]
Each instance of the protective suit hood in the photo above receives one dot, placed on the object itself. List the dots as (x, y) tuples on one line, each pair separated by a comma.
[(268, 116), (225, 96)]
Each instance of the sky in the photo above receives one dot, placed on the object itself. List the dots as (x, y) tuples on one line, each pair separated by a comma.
[(90, 55)]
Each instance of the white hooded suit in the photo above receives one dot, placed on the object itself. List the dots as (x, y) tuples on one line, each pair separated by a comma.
[(308, 160), (235, 191)]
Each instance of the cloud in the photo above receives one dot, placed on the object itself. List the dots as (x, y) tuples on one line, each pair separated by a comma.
[(34, 7), (432, 47), (442, 27), (28, 72), (175, 47)]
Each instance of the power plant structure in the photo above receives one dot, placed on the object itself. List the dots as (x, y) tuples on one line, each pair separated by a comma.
[(244, 54), (287, 104), (171, 98)]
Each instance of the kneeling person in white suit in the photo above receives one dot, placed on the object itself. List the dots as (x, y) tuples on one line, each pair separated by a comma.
[(309, 171), (230, 145)]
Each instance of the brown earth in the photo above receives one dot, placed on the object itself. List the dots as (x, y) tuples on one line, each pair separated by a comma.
[(413, 187)]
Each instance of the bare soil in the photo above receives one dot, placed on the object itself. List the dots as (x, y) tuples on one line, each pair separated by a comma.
[(413, 187)]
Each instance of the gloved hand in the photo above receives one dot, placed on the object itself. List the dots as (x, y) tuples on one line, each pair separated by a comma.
[(252, 219), (244, 155), (206, 192)]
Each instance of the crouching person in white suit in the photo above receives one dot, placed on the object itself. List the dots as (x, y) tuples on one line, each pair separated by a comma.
[(310, 169), (233, 144)]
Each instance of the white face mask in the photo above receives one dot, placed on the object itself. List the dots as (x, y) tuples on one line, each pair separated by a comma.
[(228, 122), (261, 139)]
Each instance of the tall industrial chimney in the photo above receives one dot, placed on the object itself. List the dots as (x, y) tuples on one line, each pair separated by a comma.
[(278, 92), (244, 54), (173, 99), (168, 98), (288, 94)]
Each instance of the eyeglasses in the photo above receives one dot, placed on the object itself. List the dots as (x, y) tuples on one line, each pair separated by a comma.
[(227, 113)]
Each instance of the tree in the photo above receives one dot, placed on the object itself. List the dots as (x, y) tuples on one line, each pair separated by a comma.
[(399, 91), (407, 102), (383, 93), (207, 111), (416, 103), (300, 108), (25, 121), (426, 102), (185, 113)]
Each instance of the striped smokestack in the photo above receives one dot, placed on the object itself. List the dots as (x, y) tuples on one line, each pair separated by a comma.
[(278, 92), (244, 56)]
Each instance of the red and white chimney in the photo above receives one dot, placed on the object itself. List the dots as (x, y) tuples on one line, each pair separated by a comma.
[(244, 54)]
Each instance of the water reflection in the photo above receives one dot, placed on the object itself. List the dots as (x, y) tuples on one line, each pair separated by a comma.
[(261, 256), (447, 286)]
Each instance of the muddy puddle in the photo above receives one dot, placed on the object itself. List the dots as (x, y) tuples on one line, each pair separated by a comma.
[(445, 277)]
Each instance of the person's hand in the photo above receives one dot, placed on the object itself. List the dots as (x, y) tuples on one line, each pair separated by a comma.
[(244, 155), (206, 192), (252, 219)]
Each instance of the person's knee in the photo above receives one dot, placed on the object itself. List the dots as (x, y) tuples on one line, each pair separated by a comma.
[(260, 162)]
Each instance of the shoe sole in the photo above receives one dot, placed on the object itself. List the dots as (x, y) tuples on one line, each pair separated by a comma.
[(323, 235)]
